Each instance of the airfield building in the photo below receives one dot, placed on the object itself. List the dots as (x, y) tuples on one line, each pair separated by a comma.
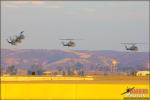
[(143, 73)]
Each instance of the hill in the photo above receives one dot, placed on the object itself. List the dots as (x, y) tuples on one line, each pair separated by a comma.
[(63, 59)]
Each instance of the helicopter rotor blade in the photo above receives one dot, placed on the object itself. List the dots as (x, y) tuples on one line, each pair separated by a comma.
[(71, 39), (66, 39), (132, 43)]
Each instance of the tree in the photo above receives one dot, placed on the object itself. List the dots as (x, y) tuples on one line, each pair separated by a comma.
[(35, 70), (69, 72), (11, 70), (81, 73)]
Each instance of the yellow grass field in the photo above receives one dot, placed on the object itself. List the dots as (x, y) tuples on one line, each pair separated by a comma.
[(99, 88)]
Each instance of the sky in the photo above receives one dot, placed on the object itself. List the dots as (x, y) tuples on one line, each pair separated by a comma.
[(102, 25)]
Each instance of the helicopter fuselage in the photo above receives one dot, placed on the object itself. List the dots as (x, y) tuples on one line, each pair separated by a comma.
[(16, 39), (132, 48), (69, 44)]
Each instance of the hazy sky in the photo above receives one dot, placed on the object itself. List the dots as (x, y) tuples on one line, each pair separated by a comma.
[(102, 25)]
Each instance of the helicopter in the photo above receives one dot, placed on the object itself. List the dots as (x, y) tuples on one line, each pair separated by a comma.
[(133, 46), (16, 39), (70, 42)]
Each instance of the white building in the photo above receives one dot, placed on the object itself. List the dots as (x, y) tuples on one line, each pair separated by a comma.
[(143, 73)]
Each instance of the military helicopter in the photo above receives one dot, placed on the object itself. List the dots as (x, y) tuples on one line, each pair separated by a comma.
[(69, 43), (16, 39), (133, 46)]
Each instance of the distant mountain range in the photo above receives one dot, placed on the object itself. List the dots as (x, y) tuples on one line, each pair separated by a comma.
[(60, 59)]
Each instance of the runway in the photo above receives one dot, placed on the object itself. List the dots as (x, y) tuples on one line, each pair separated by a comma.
[(101, 88)]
